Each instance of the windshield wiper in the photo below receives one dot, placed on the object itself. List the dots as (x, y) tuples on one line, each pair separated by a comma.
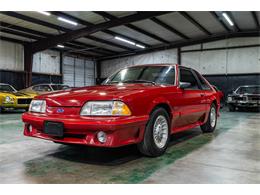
[(139, 81)]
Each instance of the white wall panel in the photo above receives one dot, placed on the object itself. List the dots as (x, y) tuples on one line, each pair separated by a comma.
[(68, 71), (78, 72), (191, 59), (243, 41), (11, 56), (47, 62), (89, 73), (216, 44), (213, 62), (108, 67), (245, 60), (226, 61)]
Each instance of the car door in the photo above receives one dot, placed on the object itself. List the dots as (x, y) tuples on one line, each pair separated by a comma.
[(191, 106), (207, 90)]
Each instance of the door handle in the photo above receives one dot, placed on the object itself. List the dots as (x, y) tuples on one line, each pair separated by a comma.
[(202, 94)]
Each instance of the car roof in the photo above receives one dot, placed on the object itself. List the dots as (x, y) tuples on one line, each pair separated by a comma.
[(164, 64), (249, 86), (49, 84)]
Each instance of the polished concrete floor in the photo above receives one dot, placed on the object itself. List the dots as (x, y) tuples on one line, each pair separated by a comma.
[(230, 155)]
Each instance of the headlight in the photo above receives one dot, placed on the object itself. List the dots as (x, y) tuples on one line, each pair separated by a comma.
[(38, 106), (105, 108), (8, 99), (229, 99)]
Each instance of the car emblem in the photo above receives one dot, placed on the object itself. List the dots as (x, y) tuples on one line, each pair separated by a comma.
[(60, 110)]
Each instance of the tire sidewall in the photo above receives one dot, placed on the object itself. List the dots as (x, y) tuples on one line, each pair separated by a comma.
[(149, 130), (209, 119)]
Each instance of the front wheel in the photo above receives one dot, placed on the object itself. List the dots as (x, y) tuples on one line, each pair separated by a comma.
[(211, 123), (157, 133)]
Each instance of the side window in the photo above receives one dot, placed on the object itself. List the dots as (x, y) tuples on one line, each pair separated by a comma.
[(45, 88), (204, 85), (36, 88), (187, 76), (42, 88)]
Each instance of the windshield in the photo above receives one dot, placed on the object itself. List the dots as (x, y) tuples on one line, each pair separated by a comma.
[(59, 87), (7, 88), (144, 74), (249, 90)]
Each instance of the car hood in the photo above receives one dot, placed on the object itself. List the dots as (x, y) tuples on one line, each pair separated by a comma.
[(14, 94), (78, 96)]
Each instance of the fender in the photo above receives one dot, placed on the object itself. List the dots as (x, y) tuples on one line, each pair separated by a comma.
[(157, 101)]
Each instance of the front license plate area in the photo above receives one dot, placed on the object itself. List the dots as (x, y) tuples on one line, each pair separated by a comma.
[(53, 128)]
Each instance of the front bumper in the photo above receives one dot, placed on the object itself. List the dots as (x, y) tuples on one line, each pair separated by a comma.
[(14, 106), (247, 104), (83, 130)]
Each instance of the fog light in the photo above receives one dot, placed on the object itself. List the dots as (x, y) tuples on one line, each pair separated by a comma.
[(102, 137)]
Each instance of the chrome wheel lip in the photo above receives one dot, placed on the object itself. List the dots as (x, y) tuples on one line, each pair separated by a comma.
[(160, 131), (213, 116)]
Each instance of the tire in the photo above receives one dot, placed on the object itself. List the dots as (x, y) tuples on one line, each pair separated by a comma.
[(210, 125), (231, 108), (159, 121)]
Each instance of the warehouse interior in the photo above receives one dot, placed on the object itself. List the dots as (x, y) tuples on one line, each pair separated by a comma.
[(83, 48)]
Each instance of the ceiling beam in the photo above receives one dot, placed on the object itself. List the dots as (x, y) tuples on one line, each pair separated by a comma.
[(12, 40), (30, 31), (21, 34), (86, 23), (195, 23), (58, 28), (255, 19), (75, 34), (133, 27), (234, 22), (169, 28), (220, 21), (184, 43)]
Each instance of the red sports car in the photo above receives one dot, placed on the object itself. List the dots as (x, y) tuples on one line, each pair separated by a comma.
[(140, 105)]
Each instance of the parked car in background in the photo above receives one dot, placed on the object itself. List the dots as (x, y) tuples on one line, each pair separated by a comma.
[(221, 96), (140, 105), (244, 97), (45, 88), (10, 98)]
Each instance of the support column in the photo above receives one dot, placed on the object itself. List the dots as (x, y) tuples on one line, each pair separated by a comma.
[(28, 62), (179, 55), (98, 68)]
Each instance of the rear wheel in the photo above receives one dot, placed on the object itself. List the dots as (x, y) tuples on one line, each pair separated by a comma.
[(211, 123), (157, 133)]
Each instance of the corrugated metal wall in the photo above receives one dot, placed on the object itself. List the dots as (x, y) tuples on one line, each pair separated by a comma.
[(226, 61), (11, 56), (47, 62), (78, 72), (110, 66)]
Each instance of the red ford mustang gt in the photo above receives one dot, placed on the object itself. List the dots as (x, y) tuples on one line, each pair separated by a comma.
[(140, 105)]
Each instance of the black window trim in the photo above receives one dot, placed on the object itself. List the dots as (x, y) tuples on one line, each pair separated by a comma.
[(196, 74), (193, 73)]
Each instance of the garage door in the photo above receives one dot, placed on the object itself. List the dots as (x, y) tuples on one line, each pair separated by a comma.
[(78, 72)]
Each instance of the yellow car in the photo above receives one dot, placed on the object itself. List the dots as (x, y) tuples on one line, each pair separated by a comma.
[(10, 98)]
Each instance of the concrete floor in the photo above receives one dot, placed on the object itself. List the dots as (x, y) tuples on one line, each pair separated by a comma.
[(230, 155)]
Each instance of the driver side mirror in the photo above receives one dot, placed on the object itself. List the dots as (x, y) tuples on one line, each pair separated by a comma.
[(185, 85)]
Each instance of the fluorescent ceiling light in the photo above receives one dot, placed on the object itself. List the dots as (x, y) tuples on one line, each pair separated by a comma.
[(124, 40), (44, 13), (141, 46), (68, 21), (228, 19), (60, 46)]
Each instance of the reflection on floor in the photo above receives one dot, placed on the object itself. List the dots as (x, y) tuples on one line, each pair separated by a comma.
[(230, 155)]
